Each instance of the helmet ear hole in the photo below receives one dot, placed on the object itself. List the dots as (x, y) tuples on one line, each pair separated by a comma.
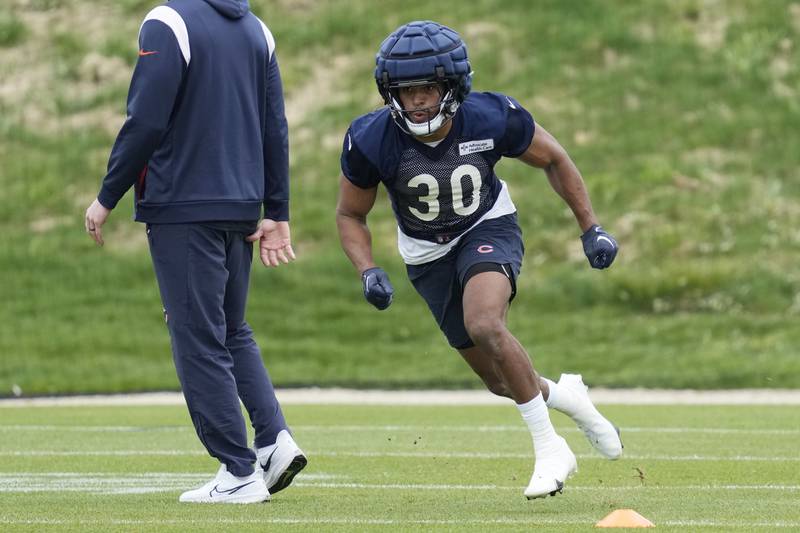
[(464, 86)]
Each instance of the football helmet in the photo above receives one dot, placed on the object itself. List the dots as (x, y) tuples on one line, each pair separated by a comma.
[(421, 53)]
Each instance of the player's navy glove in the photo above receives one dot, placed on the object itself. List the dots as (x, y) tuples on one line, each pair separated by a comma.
[(600, 247), (377, 289)]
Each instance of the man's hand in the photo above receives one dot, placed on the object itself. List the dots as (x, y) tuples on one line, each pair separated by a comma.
[(377, 289), (96, 216), (600, 247), (275, 244)]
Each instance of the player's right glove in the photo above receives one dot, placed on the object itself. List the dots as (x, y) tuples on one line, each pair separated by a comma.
[(377, 289), (600, 247)]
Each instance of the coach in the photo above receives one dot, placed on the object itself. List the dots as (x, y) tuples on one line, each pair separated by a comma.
[(205, 145)]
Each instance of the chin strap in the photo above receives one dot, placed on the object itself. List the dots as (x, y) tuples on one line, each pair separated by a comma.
[(426, 128), (447, 108)]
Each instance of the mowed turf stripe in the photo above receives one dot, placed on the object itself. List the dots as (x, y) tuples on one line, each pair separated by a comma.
[(370, 428), (98, 453), (143, 475), (480, 455), (111, 483), (91, 429), (417, 455), (568, 487), (729, 524), (118, 483)]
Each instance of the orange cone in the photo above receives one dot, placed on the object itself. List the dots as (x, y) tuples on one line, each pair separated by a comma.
[(624, 518)]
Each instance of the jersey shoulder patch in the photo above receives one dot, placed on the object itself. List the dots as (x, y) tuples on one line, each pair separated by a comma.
[(471, 147), (501, 118)]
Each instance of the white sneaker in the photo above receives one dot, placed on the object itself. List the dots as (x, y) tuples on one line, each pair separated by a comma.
[(550, 472), (602, 434), (227, 488), (280, 462)]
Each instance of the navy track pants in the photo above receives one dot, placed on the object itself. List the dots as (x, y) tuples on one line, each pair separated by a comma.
[(203, 272)]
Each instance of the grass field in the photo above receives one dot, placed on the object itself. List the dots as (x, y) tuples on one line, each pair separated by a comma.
[(373, 468), (682, 116)]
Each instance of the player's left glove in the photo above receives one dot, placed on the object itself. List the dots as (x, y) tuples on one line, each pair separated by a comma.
[(377, 289), (600, 247)]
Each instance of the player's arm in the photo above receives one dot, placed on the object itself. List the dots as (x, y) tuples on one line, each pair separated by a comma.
[(351, 220), (546, 153)]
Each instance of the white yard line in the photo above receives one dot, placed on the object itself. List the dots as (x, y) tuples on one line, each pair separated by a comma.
[(415, 455), (318, 396), (125, 483)]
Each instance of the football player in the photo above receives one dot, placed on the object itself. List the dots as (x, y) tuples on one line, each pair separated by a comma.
[(434, 147)]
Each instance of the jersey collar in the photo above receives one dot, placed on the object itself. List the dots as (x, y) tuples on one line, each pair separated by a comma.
[(436, 152)]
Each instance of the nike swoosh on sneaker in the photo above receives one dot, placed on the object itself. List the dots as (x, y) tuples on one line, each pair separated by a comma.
[(265, 466), (228, 491), (147, 53)]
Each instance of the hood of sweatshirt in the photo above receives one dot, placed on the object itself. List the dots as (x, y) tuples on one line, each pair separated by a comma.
[(233, 9)]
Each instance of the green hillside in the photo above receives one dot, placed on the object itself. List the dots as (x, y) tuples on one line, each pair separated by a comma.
[(684, 117)]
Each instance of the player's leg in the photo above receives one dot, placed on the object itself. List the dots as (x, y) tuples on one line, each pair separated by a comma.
[(189, 261), (483, 366), (440, 284), (279, 457), (569, 396), (488, 261), (500, 241), (485, 301)]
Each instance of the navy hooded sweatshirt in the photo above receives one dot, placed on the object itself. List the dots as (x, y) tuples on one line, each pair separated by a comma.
[(206, 137)]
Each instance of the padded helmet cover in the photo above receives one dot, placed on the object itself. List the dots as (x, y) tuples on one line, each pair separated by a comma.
[(423, 52)]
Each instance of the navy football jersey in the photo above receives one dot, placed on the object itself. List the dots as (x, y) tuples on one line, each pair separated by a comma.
[(439, 192)]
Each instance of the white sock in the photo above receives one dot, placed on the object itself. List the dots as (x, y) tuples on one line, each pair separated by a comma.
[(552, 397), (561, 399), (534, 413)]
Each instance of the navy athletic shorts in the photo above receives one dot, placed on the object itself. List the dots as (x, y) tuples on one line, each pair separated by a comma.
[(493, 243)]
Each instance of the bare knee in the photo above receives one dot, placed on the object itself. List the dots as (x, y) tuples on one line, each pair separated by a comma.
[(486, 332)]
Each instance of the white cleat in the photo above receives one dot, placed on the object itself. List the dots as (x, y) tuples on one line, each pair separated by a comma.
[(280, 462), (227, 488), (550, 473), (602, 434)]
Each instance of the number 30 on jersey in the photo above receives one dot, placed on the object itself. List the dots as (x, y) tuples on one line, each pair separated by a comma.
[(431, 199)]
